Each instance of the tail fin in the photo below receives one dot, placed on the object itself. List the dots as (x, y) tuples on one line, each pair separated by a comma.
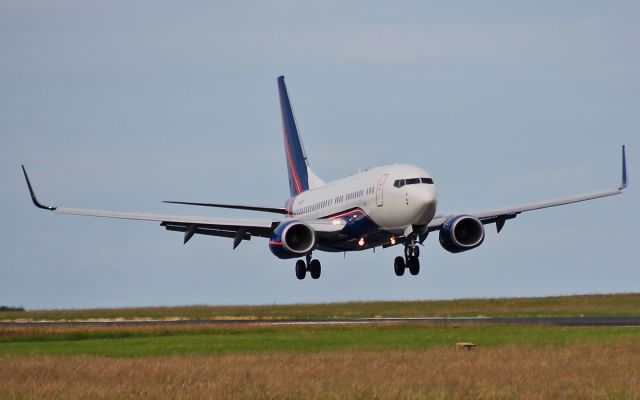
[(301, 177)]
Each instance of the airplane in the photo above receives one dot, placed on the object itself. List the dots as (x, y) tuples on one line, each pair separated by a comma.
[(393, 205)]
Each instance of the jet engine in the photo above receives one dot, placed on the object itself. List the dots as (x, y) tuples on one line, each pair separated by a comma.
[(461, 233), (292, 239)]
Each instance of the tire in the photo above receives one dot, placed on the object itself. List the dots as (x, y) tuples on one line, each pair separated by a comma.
[(315, 269), (416, 252), (398, 266), (414, 265), (301, 269)]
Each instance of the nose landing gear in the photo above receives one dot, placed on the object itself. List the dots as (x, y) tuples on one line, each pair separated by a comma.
[(311, 265), (413, 263), (410, 259)]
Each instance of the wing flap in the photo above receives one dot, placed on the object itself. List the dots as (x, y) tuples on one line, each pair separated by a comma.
[(209, 226)]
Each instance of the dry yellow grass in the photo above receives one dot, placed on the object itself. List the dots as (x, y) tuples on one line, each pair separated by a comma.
[(512, 371)]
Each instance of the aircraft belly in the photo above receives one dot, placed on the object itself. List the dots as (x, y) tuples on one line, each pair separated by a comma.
[(359, 224)]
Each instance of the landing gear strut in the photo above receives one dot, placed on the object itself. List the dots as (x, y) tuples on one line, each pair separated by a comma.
[(311, 265), (410, 259)]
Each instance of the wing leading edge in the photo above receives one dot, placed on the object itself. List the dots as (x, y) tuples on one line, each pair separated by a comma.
[(237, 228), (500, 215)]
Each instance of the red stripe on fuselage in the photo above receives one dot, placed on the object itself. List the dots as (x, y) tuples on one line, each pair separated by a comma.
[(289, 205)]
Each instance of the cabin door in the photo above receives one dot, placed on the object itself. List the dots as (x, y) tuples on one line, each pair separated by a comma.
[(379, 190)]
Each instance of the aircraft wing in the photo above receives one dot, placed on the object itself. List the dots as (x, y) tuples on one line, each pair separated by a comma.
[(237, 228), (500, 215)]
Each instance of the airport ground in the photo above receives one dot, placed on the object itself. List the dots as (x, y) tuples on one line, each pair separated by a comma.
[(383, 360)]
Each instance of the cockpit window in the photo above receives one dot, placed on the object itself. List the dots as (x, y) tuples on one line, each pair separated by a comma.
[(412, 181)]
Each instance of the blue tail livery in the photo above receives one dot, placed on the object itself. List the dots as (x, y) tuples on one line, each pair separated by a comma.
[(301, 178)]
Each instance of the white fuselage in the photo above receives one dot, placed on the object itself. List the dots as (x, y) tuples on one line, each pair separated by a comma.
[(392, 208)]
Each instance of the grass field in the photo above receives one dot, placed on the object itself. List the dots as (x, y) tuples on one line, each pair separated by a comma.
[(384, 361), (588, 305), (150, 341)]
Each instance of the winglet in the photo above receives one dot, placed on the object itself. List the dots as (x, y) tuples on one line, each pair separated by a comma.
[(624, 169), (33, 195)]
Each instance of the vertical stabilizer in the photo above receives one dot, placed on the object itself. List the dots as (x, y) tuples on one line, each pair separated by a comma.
[(301, 177)]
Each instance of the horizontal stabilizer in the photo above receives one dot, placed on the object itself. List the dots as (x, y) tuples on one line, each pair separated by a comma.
[(275, 210)]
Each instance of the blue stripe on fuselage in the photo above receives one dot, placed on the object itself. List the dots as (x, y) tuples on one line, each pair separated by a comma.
[(358, 224)]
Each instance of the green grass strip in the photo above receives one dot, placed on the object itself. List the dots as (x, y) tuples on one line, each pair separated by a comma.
[(305, 339)]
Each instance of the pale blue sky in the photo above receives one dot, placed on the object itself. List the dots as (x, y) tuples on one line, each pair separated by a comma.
[(119, 105)]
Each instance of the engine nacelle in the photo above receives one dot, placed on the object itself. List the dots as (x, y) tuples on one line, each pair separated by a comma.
[(292, 239), (461, 233)]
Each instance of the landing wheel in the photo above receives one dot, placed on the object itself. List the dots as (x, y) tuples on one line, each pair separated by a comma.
[(314, 269), (414, 265), (398, 266), (301, 269), (416, 252)]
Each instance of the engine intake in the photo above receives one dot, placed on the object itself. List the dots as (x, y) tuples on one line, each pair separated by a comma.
[(461, 233), (292, 239)]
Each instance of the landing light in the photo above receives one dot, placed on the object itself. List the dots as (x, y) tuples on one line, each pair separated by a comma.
[(361, 242), (393, 240)]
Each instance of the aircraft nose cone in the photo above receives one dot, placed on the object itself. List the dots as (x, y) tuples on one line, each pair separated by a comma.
[(424, 200), (425, 195)]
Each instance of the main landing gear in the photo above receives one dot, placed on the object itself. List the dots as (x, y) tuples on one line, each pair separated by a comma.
[(410, 259), (313, 266)]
